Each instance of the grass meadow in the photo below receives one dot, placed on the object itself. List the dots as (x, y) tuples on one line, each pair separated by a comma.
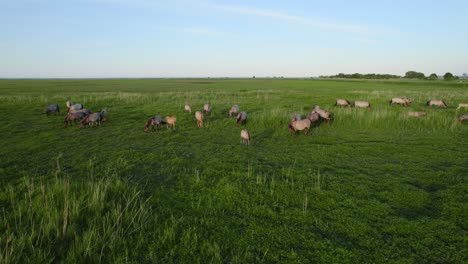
[(372, 187)]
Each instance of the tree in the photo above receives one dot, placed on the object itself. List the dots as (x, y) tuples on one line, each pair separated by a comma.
[(414, 75), (433, 76), (449, 76)]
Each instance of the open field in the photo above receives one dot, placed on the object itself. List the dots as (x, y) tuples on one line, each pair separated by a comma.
[(372, 187)]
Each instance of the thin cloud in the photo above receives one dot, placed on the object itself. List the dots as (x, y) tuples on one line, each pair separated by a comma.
[(290, 18)]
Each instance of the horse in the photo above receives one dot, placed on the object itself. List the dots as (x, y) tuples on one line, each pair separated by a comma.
[(207, 108), (299, 125), (342, 102), (234, 110), (91, 119), (438, 103), (241, 118), (52, 108), (153, 122), (170, 121), (72, 106), (245, 137), (199, 117)]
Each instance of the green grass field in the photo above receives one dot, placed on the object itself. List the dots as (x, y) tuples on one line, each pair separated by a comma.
[(372, 187)]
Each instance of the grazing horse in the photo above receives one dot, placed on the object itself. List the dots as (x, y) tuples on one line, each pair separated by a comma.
[(188, 108), (314, 117), (241, 118), (74, 116), (52, 108), (400, 101), (153, 123), (72, 106), (460, 106), (245, 137), (324, 114), (361, 104), (199, 117), (463, 118), (417, 114), (438, 103), (94, 118), (207, 108), (234, 110), (170, 121), (299, 125), (343, 102)]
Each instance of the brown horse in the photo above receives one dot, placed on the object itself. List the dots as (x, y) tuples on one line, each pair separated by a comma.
[(94, 118), (245, 137), (343, 102), (361, 104), (72, 106), (199, 117), (207, 108), (241, 118), (170, 121), (438, 103), (324, 114), (75, 116), (299, 125), (153, 123), (234, 110), (400, 101)]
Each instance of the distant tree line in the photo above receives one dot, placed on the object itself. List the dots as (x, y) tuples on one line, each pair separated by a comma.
[(419, 75), (408, 75), (364, 76)]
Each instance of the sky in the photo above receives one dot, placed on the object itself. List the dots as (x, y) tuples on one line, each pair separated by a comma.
[(189, 38)]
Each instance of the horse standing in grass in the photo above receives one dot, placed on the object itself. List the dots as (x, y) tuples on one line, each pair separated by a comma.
[(53, 108), (400, 101), (153, 123), (75, 116), (324, 114), (188, 108), (245, 137), (361, 104), (241, 118), (170, 121), (343, 102), (72, 106), (438, 103), (299, 125), (94, 118), (314, 118), (234, 110), (207, 108), (199, 117)]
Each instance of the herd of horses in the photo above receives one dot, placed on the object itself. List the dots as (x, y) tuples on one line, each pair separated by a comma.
[(76, 113)]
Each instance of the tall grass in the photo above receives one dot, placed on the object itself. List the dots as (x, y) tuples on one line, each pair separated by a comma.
[(57, 218)]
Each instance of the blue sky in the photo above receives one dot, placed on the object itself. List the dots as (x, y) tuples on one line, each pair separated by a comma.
[(188, 38)]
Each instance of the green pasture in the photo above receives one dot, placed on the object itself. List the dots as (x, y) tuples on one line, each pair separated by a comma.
[(372, 186)]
